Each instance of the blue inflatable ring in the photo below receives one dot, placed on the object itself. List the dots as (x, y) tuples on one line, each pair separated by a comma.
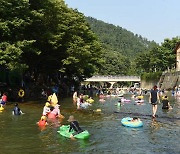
[(128, 123)]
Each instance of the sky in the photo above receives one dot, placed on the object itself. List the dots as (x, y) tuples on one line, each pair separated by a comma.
[(152, 19)]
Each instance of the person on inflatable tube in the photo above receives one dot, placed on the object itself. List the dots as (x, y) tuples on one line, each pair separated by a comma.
[(75, 126)]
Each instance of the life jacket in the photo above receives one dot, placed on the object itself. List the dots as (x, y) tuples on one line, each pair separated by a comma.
[(42, 122)]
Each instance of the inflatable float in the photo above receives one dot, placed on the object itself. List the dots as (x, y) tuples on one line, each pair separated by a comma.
[(125, 100), (85, 105), (102, 100), (1, 109), (64, 131), (101, 96), (139, 101), (129, 123), (140, 97), (21, 93), (90, 100), (121, 95)]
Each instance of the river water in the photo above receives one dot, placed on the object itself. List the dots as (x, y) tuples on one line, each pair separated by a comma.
[(20, 134)]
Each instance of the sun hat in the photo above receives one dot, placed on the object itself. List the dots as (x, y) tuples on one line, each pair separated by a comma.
[(43, 118), (71, 118), (47, 104)]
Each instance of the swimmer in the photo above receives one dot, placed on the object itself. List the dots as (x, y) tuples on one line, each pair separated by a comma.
[(135, 119), (42, 121), (17, 110)]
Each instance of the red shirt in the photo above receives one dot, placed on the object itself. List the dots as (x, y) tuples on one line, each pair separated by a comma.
[(4, 98), (51, 115)]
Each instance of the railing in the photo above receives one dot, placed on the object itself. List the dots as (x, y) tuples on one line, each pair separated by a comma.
[(125, 78)]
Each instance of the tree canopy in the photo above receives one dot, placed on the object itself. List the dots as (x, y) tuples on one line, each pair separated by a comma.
[(158, 58), (121, 47), (45, 36)]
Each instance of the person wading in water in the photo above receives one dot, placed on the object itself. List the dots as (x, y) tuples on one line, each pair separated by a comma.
[(154, 100)]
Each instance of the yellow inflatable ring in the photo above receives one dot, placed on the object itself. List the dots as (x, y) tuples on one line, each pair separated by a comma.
[(1, 108), (21, 93)]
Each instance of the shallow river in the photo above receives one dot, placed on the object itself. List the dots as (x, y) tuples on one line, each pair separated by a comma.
[(20, 134)]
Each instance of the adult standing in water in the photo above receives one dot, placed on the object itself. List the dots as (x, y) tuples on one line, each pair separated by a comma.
[(75, 96), (154, 99)]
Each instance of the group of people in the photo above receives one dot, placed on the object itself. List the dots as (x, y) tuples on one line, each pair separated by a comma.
[(51, 110), (154, 99), (82, 101), (16, 110)]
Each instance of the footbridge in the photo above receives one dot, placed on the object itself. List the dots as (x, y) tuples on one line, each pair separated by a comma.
[(114, 79)]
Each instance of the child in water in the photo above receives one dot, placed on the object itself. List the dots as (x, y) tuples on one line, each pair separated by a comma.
[(4, 99), (42, 121), (52, 114), (17, 110), (74, 125), (135, 119), (46, 109), (166, 104)]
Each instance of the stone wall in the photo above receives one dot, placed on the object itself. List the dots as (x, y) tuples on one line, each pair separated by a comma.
[(169, 80), (178, 57)]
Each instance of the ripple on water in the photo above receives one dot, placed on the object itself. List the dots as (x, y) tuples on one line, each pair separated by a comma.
[(107, 133)]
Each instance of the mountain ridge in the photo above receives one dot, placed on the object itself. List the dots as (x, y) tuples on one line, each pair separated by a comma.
[(119, 39)]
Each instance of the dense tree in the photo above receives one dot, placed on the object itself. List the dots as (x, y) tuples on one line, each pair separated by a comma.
[(13, 22), (115, 64), (121, 47), (119, 39), (158, 58), (46, 36)]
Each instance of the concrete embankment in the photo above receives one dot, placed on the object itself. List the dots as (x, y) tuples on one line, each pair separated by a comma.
[(148, 84), (167, 81)]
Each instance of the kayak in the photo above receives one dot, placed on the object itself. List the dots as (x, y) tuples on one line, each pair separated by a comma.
[(64, 131), (128, 123)]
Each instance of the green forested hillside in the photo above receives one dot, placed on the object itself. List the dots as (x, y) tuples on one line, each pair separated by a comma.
[(116, 38)]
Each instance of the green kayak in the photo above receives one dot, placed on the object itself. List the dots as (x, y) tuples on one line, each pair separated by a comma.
[(64, 131)]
